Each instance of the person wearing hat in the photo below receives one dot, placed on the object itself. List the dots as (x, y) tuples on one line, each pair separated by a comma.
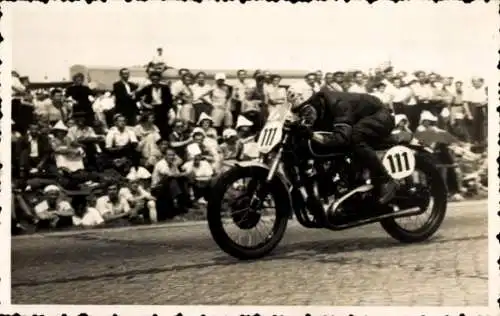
[(199, 141), (206, 122), (53, 211), (137, 196), (68, 155), (355, 120), (232, 147), (85, 136), (158, 98), (219, 97), (243, 127)]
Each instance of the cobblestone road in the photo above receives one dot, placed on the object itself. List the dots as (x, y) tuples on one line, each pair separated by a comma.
[(182, 265)]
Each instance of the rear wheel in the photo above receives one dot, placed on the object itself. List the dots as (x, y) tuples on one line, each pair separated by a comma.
[(232, 195), (426, 176)]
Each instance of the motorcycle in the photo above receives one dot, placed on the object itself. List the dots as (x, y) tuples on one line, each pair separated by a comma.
[(322, 189)]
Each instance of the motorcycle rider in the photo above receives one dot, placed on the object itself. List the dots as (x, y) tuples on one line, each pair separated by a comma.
[(356, 121)]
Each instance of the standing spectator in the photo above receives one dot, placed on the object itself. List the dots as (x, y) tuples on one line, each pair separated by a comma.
[(121, 141), (381, 93), (220, 99), (267, 79), (423, 93), (409, 101), (22, 113), (103, 108), (458, 117), (319, 79), (330, 84), (83, 96), (358, 85), (240, 90), (476, 103), (276, 96), (339, 81), (157, 97), (177, 85), (53, 211), (255, 105), (184, 100), (125, 102), (200, 88)]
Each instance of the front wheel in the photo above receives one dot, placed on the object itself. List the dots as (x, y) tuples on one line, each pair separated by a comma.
[(426, 175), (230, 195)]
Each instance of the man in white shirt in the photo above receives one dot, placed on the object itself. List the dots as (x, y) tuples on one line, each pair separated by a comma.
[(53, 211), (240, 89), (121, 141), (358, 85), (158, 63), (178, 85), (476, 103), (113, 207)]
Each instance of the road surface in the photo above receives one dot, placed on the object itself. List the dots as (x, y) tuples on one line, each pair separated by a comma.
[(181, 264)]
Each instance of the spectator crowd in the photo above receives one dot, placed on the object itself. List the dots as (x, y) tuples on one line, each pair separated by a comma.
[(83, 156)]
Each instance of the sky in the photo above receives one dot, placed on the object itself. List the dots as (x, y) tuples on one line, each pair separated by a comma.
[(450, 37)]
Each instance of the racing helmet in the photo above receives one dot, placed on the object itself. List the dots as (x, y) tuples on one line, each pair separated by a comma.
[(297, 95)]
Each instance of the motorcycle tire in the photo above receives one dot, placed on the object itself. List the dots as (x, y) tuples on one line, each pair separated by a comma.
[(426, 165), (279, 194)]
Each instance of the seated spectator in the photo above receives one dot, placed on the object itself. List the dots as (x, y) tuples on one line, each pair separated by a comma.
[(178, 139), (148, 135), (53, 211), (170, 186), (137, 196), (209, 150), (201, 172), (55, 109), (231, 147), (90, 216), (85, 137), (34, 150), (121, 141), (243, 128), (427, 121), (206, 122), (67, 155), (112, 207), (102, 107)]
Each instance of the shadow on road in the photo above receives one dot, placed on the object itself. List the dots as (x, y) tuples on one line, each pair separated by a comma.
[(302, 251)]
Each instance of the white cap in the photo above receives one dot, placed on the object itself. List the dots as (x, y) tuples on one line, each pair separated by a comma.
[(427, 116), (198, 130), (399, 117), (51, 188), (60, 126), (204, 116), (228, 133), (243, 121), (132, 175), (143, 173), (220, 76)]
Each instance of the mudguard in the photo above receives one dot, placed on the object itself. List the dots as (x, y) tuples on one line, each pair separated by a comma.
[(278, 175)]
